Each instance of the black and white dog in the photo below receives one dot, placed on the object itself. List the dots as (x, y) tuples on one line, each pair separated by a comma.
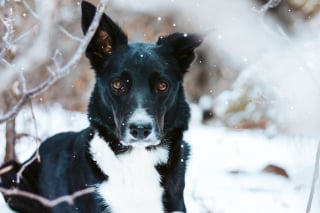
[(133, 153)]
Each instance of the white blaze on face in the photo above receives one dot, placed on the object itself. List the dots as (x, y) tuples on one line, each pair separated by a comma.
[(140, 115)]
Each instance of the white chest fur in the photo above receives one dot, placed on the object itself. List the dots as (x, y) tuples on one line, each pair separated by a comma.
[(133, 185)]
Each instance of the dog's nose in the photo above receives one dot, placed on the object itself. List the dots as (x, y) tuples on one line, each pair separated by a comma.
[(140, 131)]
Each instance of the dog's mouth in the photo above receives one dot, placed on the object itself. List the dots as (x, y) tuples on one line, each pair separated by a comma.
[(132, 139), (140, 137), (141, 144)]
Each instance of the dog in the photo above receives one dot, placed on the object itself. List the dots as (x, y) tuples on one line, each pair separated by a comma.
[(133, 153)]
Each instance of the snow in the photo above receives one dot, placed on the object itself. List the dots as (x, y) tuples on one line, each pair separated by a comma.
[(223, 151), (225, 170)]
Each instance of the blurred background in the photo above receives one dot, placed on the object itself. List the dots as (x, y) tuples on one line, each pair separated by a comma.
[(254, 91)]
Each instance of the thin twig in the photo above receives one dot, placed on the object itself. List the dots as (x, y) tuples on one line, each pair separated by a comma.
[(23, 81), (57, 61), (7, 37), (314, 179), (46, 202), (26, 34), (25, 165), (68, 34), (27, 135), (61, 72), (270, 4), (5, 170), (27, 6), (4, 61), (36, 155)]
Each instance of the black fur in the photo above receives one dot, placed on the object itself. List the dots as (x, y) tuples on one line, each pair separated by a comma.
[(66, 165)]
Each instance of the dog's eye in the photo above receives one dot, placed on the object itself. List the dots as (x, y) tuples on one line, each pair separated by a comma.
[(117, 85), (162, 86)]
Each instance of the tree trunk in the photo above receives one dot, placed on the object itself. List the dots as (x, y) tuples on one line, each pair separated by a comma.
[(10, 141)]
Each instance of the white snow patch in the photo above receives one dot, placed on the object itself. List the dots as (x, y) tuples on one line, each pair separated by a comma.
[(217, 151), (49, 121)]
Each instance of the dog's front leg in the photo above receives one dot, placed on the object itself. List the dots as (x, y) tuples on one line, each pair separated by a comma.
[(174, 178)]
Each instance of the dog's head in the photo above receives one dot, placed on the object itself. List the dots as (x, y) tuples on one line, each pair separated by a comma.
[(138, 88)]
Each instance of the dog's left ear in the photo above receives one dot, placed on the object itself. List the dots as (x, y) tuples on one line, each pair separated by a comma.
[(182, 47), (108, 37)]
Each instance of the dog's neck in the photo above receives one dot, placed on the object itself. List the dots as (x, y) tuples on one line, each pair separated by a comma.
[(111, 139), (132, 177)]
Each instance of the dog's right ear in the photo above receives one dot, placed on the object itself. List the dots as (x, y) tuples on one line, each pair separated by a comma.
[(182, 47), (107, 38)]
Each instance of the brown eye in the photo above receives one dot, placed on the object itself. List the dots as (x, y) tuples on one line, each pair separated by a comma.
[(162, 86), (117, 85)]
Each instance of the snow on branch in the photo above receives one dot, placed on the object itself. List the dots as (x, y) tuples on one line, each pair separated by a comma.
[(44, 201), (315, 178), (26, 61), (7, 37), (68, 34), (270, 4), (28, 7), (36, 155), (59, 72), (34, 55)]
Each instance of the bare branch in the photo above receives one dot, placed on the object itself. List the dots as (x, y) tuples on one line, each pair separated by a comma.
[(14, 110), (57, 59), (270, 4), (61, 72), (69, 35), (57, 73), (314, 179), (7, 37), (10, 126), (5, 170), (26, 34), (26, 164), (36, 53), (36, 155), (46, 202), (27, 6), (4, 61), (23, 81), (10, 153), (22, 135)]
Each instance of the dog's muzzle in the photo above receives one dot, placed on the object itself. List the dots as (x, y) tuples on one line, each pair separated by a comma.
[(140, 130)]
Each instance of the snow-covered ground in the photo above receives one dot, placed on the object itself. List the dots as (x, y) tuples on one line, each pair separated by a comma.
[(225, 170)]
